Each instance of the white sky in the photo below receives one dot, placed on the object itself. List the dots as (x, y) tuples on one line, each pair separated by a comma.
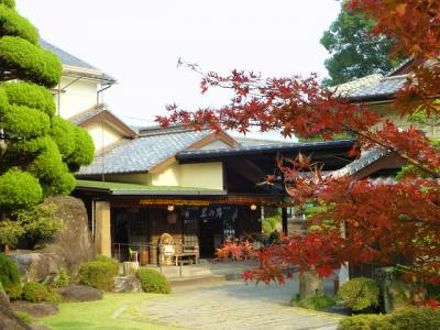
[(139, 42)]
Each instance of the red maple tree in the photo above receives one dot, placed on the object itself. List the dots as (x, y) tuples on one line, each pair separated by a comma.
[(386, 223)]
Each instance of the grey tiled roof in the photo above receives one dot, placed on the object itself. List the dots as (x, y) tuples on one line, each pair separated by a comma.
[(384, 88), (351, 87), (65, 57), (70, 60), (367, 158), (244, 141), (81, 117), (143, 153)]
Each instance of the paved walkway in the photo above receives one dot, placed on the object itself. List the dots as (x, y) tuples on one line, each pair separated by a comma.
[(233, 305)]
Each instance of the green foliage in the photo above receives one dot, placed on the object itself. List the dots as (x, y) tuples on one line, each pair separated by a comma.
[(109, 260), (30, 95), (11, 23), (39, 223), (366, 322), (98, 274), (359, 294), (63, 133), (19, 190), (153, 281), (8, 3), (36, 292), (84, 150), (10, 276), (29, 62), (415, 319), (35, 140), (10, 232), (318, 302), (21, 122), (62, 279), (270, 224), (25, 317), (354, 52)]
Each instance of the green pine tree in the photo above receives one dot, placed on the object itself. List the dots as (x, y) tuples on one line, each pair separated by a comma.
[(38, 150)]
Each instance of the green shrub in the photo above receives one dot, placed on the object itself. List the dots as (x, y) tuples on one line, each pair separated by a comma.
[(153, 281), (415, 319), (30, 62), (359, 294), (62, 279), (112, 261), (19, 190), (30, 95), (98, 274), (366, 322), (10, 276), (36, 292), (25, 317), (317, 302)]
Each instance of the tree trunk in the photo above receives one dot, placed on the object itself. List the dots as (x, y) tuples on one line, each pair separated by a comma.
[(310, 284)]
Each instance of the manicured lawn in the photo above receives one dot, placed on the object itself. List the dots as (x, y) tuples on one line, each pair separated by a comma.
[(114, 311)]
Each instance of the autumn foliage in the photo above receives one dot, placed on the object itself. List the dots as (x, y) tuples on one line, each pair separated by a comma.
[(390, 224)]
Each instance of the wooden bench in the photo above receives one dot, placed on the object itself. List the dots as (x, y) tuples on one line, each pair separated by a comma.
[(186, 258)]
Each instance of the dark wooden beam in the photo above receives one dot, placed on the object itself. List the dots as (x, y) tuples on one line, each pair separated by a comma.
[(284, 220)]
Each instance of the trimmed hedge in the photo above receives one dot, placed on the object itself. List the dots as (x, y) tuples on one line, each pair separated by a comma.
[(359, 294), (19, 190), (99, 273), (26, 123), (409, 319), (30, 95), (29, 62), (366, 322), (415, 319), (153, 281), (10, 276), (13, 24), (36, 292)]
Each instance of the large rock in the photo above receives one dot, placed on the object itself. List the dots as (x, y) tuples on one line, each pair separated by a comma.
[(127, 284), (73, 241), (38, 266), (35, 309), (80, 293), (9, 321)]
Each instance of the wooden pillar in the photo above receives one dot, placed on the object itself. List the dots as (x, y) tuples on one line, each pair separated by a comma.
[(103, 241), (284, 220)]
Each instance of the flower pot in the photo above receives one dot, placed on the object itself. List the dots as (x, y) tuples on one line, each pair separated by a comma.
[(143, 257)]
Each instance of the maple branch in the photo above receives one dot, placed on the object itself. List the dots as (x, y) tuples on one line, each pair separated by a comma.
[(402, 154)]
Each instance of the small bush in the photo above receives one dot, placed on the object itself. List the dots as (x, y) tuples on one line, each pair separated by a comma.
[(417, 318), (10, 276), (62, 279), (25, 317), (34, 292), (366, 322), (109, 260), (359, 294), (98, 274), (317, 302), (153, 282)]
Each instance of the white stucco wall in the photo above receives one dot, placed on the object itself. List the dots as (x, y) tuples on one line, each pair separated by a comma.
[(78, 97), (204, 175), (103, 135)]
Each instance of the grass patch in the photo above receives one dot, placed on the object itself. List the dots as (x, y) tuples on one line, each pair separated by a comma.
[(114, 311)]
